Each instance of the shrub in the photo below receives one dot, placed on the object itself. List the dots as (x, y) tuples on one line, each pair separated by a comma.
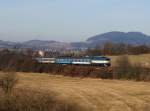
[(106, 73), (123, 67), (126, 70), (8, 81), (29, 100)]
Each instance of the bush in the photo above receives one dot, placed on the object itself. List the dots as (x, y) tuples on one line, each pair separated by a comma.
[(123, 67), (29, 100), (126, 70), (88, 71), (8, 81), (25, 100)]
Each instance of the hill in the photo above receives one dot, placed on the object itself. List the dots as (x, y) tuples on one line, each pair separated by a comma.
[(41, 44), (93, 94), (36, 44), (7, 44), (134, 38)]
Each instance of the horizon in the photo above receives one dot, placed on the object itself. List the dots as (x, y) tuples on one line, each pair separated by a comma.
[(72, 41), (70, 21)]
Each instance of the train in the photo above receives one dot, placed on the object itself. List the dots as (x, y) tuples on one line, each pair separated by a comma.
[(87, 60)]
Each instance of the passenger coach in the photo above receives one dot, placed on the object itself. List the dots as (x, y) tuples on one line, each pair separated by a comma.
[(92, 60)]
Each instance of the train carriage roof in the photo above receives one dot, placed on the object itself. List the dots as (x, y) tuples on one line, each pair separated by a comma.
[(86, 57)]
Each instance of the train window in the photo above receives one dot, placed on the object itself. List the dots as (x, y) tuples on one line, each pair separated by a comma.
[(108, 59), (86, 60), (72, 60)]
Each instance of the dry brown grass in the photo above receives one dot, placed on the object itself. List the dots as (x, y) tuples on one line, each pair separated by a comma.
[(92, 94), (14, 98), (143, 59)]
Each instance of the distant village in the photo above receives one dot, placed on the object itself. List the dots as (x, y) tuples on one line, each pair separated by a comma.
[(46, 52)]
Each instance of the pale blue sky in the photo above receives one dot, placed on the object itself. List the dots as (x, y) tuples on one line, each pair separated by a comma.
[(71, 20)]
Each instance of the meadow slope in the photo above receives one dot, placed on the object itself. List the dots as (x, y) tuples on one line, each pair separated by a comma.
[(93, 94)]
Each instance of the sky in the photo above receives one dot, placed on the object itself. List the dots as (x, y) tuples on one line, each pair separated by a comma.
[(71, 20)]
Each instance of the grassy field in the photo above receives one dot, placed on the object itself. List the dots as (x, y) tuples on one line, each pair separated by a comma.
[(143, 59), (93, 94)]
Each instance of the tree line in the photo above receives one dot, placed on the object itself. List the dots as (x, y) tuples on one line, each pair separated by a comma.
[(19, 62), (110, 48)]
